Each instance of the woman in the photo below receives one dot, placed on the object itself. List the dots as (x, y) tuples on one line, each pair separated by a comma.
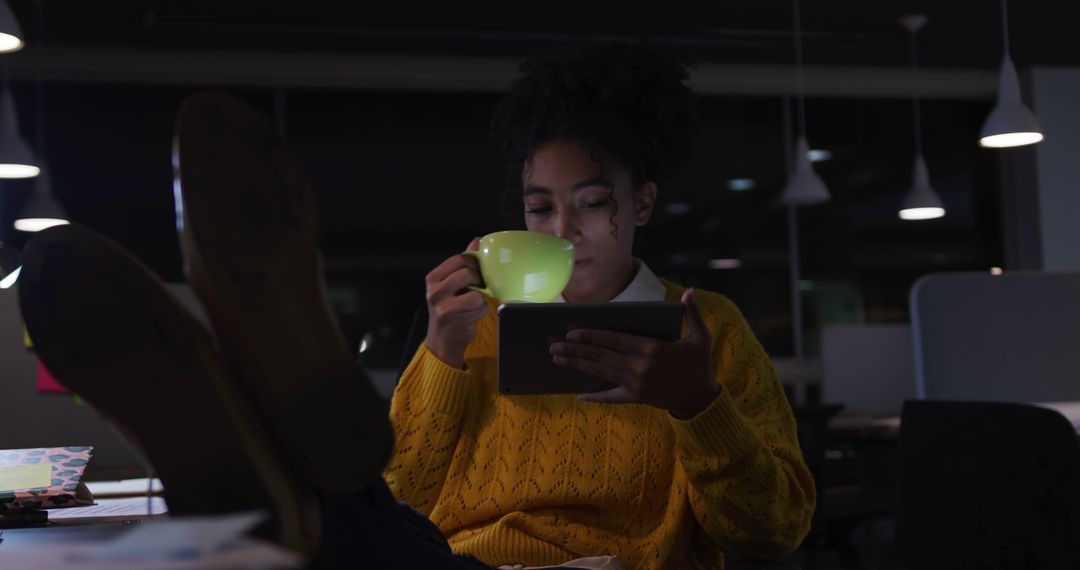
[(692, 456)]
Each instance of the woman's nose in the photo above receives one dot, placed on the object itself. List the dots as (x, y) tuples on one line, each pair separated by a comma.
[(566, 227)]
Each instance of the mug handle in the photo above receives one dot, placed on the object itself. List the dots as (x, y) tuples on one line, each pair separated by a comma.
[(483, 290)]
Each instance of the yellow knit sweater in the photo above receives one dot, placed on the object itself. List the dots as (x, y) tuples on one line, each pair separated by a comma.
[(541, 480)]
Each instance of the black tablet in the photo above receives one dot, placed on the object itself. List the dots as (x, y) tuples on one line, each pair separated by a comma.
[(527, 331)]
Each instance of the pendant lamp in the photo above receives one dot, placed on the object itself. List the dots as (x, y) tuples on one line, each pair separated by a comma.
[(921, 202), (16, 158), (1011, 123), (10, 32), (804, 187), (41, 210)]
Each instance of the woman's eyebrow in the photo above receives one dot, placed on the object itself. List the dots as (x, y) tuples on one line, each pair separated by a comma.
[(534, 189), (593, 182), (531, 189)]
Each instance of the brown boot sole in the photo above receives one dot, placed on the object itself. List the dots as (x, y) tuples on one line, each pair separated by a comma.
[(110, 331), (248, 229)]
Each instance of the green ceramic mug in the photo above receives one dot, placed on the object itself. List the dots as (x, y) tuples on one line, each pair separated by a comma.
[(524, 267)]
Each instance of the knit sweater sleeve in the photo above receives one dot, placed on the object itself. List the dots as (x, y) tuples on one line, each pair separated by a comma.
[(426, 411), (749, 487), (429, 413)]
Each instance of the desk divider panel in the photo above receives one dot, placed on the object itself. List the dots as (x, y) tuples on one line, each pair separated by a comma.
[(1011, 337)]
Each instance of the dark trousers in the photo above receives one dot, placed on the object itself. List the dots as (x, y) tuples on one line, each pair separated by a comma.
[(373, 530)]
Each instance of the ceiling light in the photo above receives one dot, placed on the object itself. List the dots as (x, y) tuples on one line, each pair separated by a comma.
[(10, 32), (679, 259), (38, 224), (9, 265), (677, 208), (365, 343), (818, 154), (1010, 123), (912, 214), (10, 278), (921, 202), (725, 263), (741, 184), (41, 210), (16, 158), (804, 187)]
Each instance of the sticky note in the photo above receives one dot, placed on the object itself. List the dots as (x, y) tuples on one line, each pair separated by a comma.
[(16, 477)]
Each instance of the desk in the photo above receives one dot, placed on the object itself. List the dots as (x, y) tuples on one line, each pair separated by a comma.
[(863, 428), (860, 460), (859, 469), (856, 479)]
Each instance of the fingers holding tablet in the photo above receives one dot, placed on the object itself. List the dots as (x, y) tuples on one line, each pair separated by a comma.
[(672, 375)]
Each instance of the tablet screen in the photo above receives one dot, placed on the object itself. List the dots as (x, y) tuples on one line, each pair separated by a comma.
[(526, 332)]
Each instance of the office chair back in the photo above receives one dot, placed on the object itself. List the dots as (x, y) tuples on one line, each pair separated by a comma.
[(987, 485)]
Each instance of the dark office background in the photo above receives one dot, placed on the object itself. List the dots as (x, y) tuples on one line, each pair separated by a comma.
[(406, 176)]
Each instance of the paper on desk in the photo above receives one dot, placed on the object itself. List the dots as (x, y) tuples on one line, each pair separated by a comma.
[(248, 554), (131, 507), (124, 488), (180, 537)]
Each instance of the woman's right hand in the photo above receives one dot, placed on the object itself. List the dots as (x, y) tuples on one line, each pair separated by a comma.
[(453, 310)]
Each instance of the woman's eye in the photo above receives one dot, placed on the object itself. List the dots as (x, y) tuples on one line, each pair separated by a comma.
[(597, 204), (537, 209)]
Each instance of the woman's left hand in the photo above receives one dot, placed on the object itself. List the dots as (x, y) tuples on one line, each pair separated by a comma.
[(675, 376)]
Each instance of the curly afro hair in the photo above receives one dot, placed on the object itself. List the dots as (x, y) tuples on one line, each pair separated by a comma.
[(628, 100)]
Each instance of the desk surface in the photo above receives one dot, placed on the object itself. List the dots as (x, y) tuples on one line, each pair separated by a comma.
[(56, 533), (56, 545), (872, 428)]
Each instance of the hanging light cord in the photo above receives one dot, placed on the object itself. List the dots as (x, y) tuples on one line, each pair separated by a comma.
[(5, 78), (915, 92), (1005, 24), (39, 23), (799, 69)]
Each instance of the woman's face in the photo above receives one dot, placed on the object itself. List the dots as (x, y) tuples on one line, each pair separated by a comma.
[(587, 198)]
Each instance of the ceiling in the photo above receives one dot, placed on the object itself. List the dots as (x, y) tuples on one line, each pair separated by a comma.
[(407, 176), (870, 140), (960, 33)]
